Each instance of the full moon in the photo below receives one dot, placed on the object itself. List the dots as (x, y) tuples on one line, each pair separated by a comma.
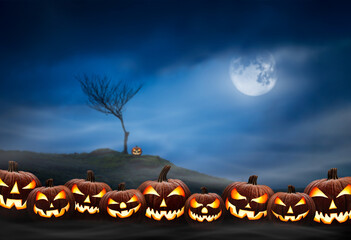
[(253, 76)]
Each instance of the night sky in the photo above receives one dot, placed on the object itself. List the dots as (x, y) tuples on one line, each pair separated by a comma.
[(188, 111)]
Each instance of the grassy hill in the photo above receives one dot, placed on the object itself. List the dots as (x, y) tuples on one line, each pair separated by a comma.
[(109, 166)]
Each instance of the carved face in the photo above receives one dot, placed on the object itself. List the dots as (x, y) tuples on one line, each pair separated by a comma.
[(87, 193), (165, 198), (204, 207), (136, 151), (247, 200), (332, 198), (291, 207), (123, 204), (50, 202), (15, 187)]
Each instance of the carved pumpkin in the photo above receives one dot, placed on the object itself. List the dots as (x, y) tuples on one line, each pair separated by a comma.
[(123, 204), (87, 194), (136, 151), (247, 200), (165, 198), (291, 207), (15, 187), (332, 197), (204, 207), (51, 202)]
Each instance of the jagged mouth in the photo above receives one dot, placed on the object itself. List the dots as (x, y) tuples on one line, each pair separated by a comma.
[(124, 213), (49, 213), (169, 215), (9, 203), (290, 218), (89, 209), (329, 218), (201, 218), (244, 213)]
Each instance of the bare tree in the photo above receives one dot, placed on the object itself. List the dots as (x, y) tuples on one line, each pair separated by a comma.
[(108, 97)]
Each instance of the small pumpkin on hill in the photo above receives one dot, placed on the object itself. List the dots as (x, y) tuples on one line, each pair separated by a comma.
[(291, 207), (15, 187), (204, 207), (123, 205), (165, 198), (87, 194), (247, 200), (51, 202), (332, 197), (136, 151)]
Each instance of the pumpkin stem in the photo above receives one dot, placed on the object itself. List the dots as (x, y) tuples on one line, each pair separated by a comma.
[(291, 189), (252, 180), (121, 186), (204, 190), (13, 166), (49, 182), (163, 174), (90, 176), (333, 173)]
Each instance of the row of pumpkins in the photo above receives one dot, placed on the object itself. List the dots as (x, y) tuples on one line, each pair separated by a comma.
[(326, 201)]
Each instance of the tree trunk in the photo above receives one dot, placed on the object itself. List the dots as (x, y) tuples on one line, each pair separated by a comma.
[(125, 150), (126, 135)]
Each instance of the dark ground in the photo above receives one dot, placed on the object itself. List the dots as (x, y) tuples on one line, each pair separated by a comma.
[(73, 229)]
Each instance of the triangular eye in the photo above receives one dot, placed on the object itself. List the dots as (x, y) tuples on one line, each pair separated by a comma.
[(178, 191), (41, 196), (261, 199), (76, 190), (60, 195), (345, 191), (215, 204), (236, 195), (279, 201), (301, 202), (150, 190), (194, 203), (100, 194), (31, 185), (3, 184), (133, 199), (316, 192), (111, 201)]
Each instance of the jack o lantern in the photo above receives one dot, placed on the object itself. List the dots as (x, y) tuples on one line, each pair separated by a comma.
[(204, 207), (136, 151), (87, 194), (165, 198), (123, 205), (332, 197), (291, 207), (15, 187), (247, 200), (51, 202)]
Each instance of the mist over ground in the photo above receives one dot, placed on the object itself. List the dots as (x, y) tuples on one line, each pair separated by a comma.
[(110, 230)]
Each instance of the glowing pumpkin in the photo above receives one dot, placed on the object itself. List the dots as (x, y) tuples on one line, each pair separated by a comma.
[(332, 197), (51, 202), (165, 198), (87, 194), (136, 151), (247, 200), (123, 205), (204, 207), (291, 207), (15, 187)]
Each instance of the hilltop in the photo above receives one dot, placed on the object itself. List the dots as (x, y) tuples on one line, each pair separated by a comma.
[(109, 166)]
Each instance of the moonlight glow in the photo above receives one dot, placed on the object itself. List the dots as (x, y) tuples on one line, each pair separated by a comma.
[(253, 76)]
